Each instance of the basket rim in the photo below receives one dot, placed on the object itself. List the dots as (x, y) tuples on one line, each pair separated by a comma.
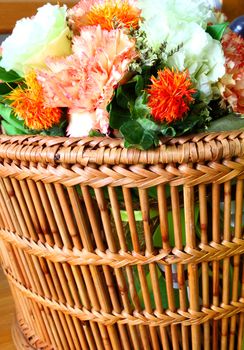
[(212, 146)]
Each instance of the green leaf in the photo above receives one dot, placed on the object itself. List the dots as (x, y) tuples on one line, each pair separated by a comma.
[(162, 287), (7, 114), (122, 98), (167, 130), (57, 130), (148, 124), (229, 122), (157, 238), (127, 92), (217, 30), (10, 76), (152, 192), (118, 115), (6, 88), (140, 133), (11, 129), (140, 109), (95, 133), (149, 138), (137, 214), (5, 111), (139, 84), (132, 132)]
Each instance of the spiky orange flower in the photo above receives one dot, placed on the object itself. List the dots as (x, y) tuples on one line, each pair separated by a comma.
[(28, 104), (109, 14), (114, 14), (170, 95)]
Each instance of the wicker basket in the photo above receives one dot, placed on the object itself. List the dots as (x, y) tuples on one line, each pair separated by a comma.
[(90, 267)]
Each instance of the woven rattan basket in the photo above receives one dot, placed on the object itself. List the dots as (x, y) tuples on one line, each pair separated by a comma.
[(78, 245)]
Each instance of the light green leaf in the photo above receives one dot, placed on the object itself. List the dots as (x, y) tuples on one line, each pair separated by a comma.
[(148, 124), (229, 122), (137, 214), (7, 114), (5, 111), (11, 129), (140, 109)]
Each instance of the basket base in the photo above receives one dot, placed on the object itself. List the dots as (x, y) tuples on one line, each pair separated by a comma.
[(19, 340)]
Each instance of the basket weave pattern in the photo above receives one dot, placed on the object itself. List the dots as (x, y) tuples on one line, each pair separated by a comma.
[(83, 278)]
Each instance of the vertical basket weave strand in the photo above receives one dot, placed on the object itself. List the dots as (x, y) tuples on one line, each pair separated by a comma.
[(88, 264)]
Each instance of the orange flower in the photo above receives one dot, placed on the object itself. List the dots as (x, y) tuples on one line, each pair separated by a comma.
[(109, 14), (170, 95), (28, 104)]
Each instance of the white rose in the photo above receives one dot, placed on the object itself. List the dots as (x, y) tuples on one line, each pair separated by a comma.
[(34, 39)]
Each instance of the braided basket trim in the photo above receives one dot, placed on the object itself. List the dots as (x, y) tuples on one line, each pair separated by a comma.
[(211, 252), (155, 319), (134, 176)]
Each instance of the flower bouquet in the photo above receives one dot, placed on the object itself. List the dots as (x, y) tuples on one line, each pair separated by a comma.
[(122, 176), (123, 69)]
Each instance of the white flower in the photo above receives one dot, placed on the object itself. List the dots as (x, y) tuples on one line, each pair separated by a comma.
[(200, 53), (215, 3), (162, 18), (81, 122), (34, 39), (182, 24)]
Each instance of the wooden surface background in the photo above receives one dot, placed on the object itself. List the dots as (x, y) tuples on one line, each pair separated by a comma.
[(12, 10), (6, 314)]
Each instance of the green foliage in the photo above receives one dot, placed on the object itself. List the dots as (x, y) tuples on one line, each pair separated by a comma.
[(217, 30), (11, 124), (95, 133), (157, 238), (228, 122), (162, 287), (9, 76), (118, 115), (130, 114), (56, 130), (5, 89)]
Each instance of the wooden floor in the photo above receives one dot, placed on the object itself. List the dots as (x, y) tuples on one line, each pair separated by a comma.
[(6, 314)]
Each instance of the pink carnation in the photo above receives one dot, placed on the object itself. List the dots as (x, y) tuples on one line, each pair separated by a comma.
[(85, 81), (232, 84)]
